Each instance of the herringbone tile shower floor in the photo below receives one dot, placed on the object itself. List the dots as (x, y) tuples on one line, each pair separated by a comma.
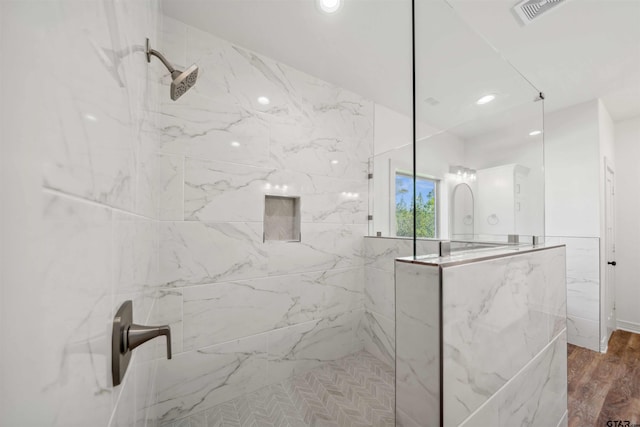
[(356, 391)]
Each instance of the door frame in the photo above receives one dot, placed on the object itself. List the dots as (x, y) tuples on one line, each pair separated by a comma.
[(608, 311)]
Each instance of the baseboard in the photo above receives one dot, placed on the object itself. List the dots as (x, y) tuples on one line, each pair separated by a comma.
[(628, 326)]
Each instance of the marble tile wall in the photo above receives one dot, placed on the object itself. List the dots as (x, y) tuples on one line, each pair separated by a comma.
[(583, 290), (536, 396), (84, 106), (378, 326), (519, 300), (418, 340), (252, 312)]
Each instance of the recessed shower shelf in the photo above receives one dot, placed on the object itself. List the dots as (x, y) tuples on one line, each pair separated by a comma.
[(282, 218)]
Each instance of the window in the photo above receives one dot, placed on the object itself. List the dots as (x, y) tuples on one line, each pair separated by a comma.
[(426, 215)]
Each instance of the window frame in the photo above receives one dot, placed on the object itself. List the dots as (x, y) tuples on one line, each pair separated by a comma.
[(392, 197)]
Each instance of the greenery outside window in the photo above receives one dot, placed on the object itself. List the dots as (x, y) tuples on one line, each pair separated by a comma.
[(426, 206)]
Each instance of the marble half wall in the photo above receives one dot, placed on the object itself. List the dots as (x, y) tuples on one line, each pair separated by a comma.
[(498, 315), (252, 312), (379, 323), (502, 322)]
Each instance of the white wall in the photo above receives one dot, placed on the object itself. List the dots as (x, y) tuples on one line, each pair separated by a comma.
[(627, 154), (572, 171), (577, 140), (513, 145), (572, 206)]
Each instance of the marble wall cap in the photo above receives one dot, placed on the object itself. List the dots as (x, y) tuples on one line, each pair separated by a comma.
[(475, 255)]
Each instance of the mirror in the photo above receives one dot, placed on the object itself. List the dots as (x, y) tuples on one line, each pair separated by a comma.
[(462, 212), (479, 142)]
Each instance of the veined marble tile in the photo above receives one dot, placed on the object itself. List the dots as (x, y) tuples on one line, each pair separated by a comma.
[(379, 292), (378, 334), (171, 187), (196, 420), (343, 289), (124, 407), (427, 247), (218, 191), (199, 253), (173, 39), (332, 200), (168, 310), (207, 129), (486, 304), (93, 159), (583, 332), (564, 422), (301, 149), (323, 247), (76, 302), (135, 253), (91, 146), (486, 415), (146, 374), (304, 346), (147, 193), (538, 396), (583, 276), (238, 77), (330, 107), (198, 380), (380, 253), (225, 311), (417, 342), (404, 420)]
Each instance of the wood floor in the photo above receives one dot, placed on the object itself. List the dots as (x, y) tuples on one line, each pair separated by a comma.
[(605, 387)]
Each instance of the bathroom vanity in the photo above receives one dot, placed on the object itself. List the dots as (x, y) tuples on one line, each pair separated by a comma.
[(481, 338)]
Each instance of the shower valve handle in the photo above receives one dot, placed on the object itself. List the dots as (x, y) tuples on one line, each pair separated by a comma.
[(126, 335), (137, 335)]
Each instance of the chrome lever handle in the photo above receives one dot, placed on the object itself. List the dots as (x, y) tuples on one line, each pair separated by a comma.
[(138, 334)]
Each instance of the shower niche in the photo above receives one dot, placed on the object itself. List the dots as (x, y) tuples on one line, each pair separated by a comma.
[(281, 219)]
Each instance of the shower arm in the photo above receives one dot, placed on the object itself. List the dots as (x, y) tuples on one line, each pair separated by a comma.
[(158, 55)]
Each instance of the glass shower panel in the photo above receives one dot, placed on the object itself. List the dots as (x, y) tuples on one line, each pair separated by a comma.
[(266, 246), (479, 134)]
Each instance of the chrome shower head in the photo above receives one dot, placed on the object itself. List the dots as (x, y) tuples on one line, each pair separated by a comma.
[(182, 80)]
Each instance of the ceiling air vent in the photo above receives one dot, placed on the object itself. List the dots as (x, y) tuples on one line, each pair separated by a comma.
[(528, 10)]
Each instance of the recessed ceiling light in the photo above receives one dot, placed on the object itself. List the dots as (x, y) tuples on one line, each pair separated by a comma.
[(334, 162), (329, 6), (535, 132), (235, 144), (263, 100), (486, 99)]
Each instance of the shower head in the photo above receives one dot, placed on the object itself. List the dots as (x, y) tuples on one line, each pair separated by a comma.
[(182, 80)]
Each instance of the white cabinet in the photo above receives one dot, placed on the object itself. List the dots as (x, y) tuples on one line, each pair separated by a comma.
[(501, 205)]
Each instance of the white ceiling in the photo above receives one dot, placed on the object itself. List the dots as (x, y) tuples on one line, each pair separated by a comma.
[(579, 51)]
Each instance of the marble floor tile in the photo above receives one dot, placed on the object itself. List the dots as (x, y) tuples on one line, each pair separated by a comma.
[(357, 390)]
